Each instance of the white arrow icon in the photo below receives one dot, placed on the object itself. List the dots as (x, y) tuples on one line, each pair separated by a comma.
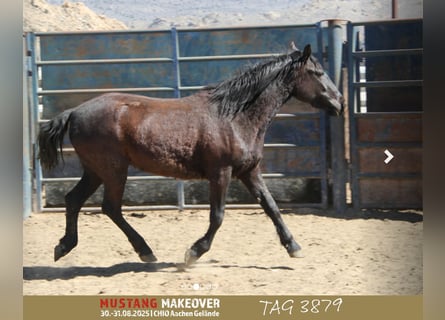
[(390, 156)]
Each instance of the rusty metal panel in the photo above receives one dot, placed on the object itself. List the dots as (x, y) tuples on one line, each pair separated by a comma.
[(245, 40), (391, 193), (396, 184), (391, 54), (304, 161), (90, 46), (406, 160), (298, 131), (94, 76), (55, 104), (118, 45), (380, 127), (101, 76), (201, 73)]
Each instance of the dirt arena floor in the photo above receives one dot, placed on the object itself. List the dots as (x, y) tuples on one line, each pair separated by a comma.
[(379, 252)]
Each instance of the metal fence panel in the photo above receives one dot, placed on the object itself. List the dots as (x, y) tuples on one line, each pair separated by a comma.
[(75, 67), (394, 36), (245, 41), (105, 45), (391, 65)]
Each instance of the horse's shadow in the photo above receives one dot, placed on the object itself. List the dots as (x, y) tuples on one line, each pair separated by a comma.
[(412, 216), (66, 273)]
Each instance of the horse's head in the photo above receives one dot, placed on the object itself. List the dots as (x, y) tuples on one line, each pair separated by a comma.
[(313, 85)]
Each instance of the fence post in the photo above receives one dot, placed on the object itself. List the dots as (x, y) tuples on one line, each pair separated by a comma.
[(27, 176), (336, 124), (34, 114), (176, 54)]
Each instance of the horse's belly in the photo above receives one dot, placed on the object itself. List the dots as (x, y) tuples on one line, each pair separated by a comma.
[(169, 163)]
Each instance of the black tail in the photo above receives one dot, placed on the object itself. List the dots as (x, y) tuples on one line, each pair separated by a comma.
[(50, 137)]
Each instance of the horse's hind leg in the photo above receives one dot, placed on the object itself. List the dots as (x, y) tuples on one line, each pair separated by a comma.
[(255, 183), (111, 206), (74, 200), (218, 189)]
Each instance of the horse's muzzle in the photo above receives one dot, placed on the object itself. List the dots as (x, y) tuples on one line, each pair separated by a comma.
[(342, 110), (338, 111)]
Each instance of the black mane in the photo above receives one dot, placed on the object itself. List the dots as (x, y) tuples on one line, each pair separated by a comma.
[(238, 93)]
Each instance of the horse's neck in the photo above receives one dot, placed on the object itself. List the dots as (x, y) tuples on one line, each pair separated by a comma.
[(259, 116)]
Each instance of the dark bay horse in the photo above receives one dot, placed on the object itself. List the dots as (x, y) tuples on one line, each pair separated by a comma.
[(216, 134)]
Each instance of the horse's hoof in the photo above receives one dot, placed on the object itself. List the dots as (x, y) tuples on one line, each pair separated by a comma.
[(190, 257), (296, 254), (59, 252), (181, 267), (148, 257)]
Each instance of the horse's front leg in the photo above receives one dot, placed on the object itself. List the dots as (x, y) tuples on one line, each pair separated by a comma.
[(219, 183), (257, 187)]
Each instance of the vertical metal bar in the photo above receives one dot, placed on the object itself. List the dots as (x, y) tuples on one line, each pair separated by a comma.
[(352, 43), (35, 121), (175, 45), (395, 9), (323, 126), (323, 163), (357, 73), (335, 44), (338, 161), (27, 177), (177, 71), (320, 43)]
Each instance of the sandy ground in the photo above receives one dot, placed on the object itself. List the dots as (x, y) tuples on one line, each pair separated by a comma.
[(380, 253)]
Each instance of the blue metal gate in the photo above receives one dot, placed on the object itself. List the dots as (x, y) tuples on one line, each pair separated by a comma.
[(385, 111), (69, 68)]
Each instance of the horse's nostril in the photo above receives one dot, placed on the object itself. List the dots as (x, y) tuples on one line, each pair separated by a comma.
[(337, 111)]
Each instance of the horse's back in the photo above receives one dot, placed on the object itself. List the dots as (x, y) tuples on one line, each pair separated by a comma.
[(109, 113), (163, 136)]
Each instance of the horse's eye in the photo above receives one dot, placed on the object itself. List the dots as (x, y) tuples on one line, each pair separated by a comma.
[(318, 73)]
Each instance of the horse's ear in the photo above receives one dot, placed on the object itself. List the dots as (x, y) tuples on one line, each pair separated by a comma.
[(295, 55), (292, 46), (306, 54), (294, 52)]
